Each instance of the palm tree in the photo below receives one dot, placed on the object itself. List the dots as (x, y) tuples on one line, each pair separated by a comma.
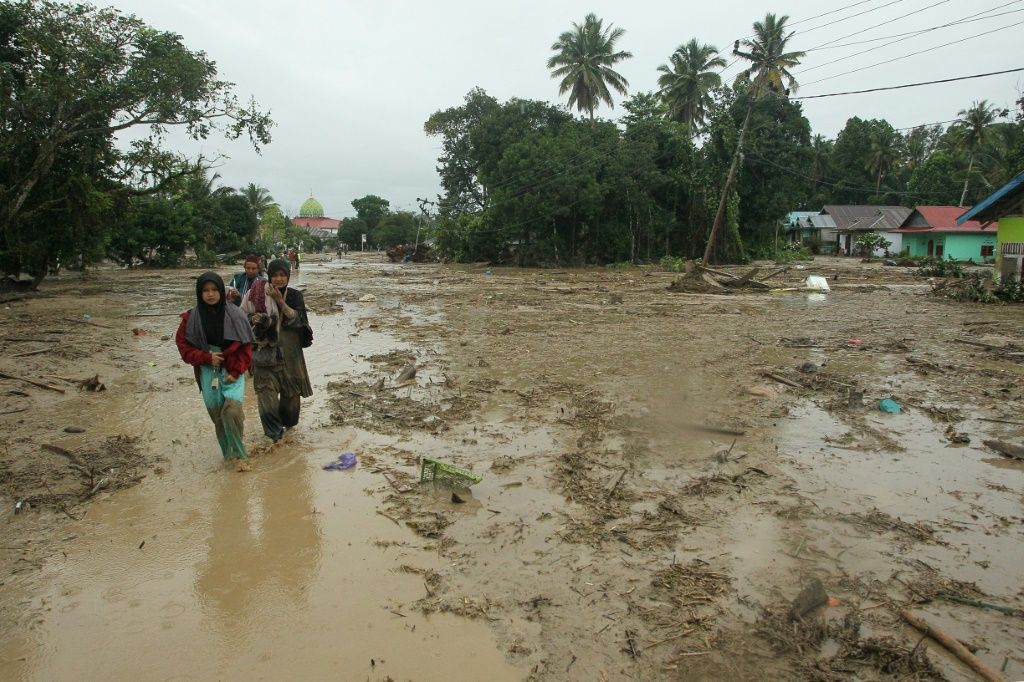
[(974, 127), (821, 156), (686, 85), (768, 73), (259, 198), (882, 156), (584, 60)]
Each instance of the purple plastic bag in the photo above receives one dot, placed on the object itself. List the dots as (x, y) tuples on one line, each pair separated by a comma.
[(344, 461)]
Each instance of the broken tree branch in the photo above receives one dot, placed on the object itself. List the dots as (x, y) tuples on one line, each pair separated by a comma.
[(48, 387), (954, 647)]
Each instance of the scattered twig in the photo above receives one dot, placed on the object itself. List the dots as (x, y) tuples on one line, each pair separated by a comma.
[(48, 387), (1008, 610), (684, 633), (1000, 421)]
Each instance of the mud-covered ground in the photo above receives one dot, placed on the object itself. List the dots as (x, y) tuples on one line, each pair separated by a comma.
[(652, 500)]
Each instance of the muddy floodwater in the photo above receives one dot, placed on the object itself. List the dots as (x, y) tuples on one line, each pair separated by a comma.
[(662, 474)]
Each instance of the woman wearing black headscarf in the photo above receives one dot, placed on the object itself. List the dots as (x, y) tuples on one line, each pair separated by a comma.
[(216, 340), (281, 326)]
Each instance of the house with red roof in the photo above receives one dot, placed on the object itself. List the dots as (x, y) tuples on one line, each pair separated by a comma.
[(932, 231)]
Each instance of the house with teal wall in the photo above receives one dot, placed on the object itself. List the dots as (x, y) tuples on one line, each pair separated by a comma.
[(933, 232), (1005, 207)]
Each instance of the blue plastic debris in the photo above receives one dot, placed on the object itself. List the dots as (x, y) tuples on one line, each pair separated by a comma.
[(345, 461), (889, 405)]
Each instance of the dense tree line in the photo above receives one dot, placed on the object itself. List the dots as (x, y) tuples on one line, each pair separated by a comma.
[(74, 79), (526, 182)]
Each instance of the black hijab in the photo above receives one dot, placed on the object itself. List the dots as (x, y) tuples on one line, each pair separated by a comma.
[(292, 297), (211, 316)]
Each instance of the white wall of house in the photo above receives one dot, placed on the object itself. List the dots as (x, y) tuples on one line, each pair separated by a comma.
[(897, 243)]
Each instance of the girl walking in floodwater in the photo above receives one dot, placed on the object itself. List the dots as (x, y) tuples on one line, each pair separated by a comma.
[(216, 340), (281, 326)]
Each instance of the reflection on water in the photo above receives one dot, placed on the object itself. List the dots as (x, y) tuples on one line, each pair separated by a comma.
[(264, 549)]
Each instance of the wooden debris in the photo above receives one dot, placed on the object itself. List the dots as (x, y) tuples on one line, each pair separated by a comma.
[(1006, 449), (782, 380), (48, 387), (395, 483), (954, 647)]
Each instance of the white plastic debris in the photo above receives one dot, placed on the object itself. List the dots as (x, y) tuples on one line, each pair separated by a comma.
[(816, 283)]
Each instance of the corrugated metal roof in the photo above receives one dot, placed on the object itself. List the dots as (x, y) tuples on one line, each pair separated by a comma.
[(988, 208), (856, 218), (821, 221)]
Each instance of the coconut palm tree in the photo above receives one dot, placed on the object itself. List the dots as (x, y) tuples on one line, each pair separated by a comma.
[(882, 156), (584, 60), (259, 198), (974, 128), (686, 85), (768, 73)]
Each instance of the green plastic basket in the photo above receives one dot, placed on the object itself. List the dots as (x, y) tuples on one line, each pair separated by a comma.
[(433, 470)]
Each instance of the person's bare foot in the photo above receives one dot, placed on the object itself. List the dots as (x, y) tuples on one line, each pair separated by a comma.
[(242, 465)]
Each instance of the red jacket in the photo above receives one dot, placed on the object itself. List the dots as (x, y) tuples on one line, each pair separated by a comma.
[(237, 355)]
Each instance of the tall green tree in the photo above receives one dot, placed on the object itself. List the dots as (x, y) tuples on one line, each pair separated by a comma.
[(371, 209), (882, 156), (974, 126), (584, 60), (73, 79), (259, 199), (686, 83), (768, 73)]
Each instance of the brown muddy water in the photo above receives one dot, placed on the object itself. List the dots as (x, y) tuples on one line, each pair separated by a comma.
[(612, 537), (204, 574)]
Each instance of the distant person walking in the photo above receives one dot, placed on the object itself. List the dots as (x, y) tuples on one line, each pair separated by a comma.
[(216, 339), (241, 283), (281, 327)]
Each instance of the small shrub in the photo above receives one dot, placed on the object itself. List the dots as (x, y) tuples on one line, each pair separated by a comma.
[(977, 289), (672, 264), (936, 267)]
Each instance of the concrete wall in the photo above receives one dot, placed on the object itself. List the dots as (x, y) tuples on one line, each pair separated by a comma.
[(1011, 229), (960, 247)]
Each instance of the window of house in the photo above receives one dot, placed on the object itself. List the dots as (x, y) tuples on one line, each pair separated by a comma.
[(987, 250)]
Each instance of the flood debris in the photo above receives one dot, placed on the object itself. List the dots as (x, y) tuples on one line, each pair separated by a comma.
[(953, 645), (1005, 449), (811, 597)]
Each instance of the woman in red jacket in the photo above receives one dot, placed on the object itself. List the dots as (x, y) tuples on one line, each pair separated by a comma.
[(216, 340)]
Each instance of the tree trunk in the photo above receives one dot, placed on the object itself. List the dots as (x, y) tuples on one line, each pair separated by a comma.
[(970, 167), (720, 216)]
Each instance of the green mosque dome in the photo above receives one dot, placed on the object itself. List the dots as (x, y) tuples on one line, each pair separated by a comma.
[(311, 208)]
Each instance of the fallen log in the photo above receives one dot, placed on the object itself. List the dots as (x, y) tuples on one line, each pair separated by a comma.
[(48, 387), (1006, 449), (954, 647)]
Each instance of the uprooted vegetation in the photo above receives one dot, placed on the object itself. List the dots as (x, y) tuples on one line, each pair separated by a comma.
[(974, 288)]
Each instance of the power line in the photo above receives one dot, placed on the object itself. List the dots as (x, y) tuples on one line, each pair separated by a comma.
[(909, 85), (825, 14), (816, 16), (757, 158), (903, 36), (867, 11), (830, 46), (912, 54)]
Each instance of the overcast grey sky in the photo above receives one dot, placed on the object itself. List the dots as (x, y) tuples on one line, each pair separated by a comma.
[(350, 84)]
